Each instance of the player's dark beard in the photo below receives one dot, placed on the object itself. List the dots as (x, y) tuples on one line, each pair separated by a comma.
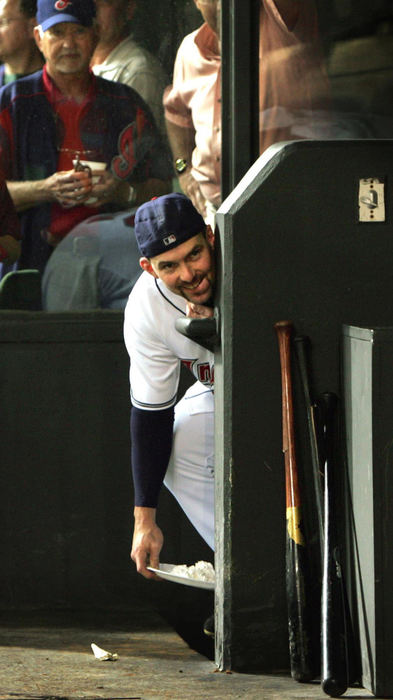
[(209, 302), (187, 290)]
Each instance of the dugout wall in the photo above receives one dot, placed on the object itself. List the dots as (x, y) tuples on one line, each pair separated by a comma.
[(292, 246), (66, 495)]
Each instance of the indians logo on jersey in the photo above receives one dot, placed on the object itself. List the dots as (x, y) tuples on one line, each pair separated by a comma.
[(201, 370)]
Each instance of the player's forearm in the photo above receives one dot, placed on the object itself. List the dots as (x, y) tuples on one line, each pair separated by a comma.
[(144, 517), (181, 141), (147, 541), (151, 444)]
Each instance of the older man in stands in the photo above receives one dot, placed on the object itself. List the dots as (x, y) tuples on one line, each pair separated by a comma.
[(18, 51), (52, 121), (118, 57)]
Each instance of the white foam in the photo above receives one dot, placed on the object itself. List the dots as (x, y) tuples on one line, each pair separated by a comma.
[(201, 571)]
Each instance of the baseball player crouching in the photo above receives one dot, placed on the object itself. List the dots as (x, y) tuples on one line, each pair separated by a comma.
[(171, 444)]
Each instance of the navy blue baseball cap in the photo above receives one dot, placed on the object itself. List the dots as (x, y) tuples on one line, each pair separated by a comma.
[(51, 12), (164, 222)]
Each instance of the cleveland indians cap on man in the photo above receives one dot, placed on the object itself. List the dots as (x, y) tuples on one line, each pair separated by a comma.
[(165, 222), (51, 12)]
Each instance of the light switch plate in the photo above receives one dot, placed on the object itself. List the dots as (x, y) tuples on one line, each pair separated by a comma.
[(371, 199)]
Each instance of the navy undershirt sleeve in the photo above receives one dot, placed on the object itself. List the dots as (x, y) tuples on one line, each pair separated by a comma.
[(151, 444)]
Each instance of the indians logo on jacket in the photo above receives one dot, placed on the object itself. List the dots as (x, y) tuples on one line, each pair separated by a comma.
[(129, 142)]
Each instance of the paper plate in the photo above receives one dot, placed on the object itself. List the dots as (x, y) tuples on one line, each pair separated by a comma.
[(165, 572)]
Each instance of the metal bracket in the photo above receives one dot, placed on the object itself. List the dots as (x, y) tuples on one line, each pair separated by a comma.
[(204, 331)]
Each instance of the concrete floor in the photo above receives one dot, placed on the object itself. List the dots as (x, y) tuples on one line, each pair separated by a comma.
[(50, 658)]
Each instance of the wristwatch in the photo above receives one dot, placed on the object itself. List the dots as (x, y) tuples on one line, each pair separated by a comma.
[(180, 165)]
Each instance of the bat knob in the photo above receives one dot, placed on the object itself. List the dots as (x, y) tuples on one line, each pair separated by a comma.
[(333, 687)]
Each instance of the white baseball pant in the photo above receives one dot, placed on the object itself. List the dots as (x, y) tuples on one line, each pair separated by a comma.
[(190, 473)]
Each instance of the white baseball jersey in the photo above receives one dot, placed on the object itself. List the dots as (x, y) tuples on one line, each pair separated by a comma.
[(156, 347)]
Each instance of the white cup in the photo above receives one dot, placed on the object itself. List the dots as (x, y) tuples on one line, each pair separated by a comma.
[(94, 166)]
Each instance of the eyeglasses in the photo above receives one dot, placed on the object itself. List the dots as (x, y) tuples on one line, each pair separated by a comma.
[(6, 21)]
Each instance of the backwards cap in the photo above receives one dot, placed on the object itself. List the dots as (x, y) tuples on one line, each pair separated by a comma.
[(51, 12), (164, 222)]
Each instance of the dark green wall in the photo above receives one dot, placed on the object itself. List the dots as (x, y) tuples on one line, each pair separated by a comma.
[(291, 247), (65, 477)]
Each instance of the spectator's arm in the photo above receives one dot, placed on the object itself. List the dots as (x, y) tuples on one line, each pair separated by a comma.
[(182, 143), (125, 195), (69, 188), (9, 227), (289, 11), (27, 193), (9, 220), (181, 140)]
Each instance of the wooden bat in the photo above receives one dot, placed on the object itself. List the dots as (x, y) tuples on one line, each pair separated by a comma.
[(334, 612), (302, 346), (300, 647)]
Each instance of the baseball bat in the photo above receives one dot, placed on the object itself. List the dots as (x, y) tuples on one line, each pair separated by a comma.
[(300, 650), (302, 347), (334, 613)]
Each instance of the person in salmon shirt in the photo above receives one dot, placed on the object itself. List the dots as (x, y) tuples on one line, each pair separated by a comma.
[(292, 78)]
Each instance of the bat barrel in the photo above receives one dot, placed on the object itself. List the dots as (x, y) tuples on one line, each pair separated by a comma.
[(300, 647)]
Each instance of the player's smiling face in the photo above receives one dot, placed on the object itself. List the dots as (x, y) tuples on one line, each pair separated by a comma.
[(188, 269)]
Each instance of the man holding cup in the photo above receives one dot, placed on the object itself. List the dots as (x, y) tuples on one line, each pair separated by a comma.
[(59, 126)]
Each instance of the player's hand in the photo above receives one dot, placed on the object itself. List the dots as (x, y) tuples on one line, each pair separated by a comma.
[(198, 310), (69, 188), (191, 188), (147, 542)]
